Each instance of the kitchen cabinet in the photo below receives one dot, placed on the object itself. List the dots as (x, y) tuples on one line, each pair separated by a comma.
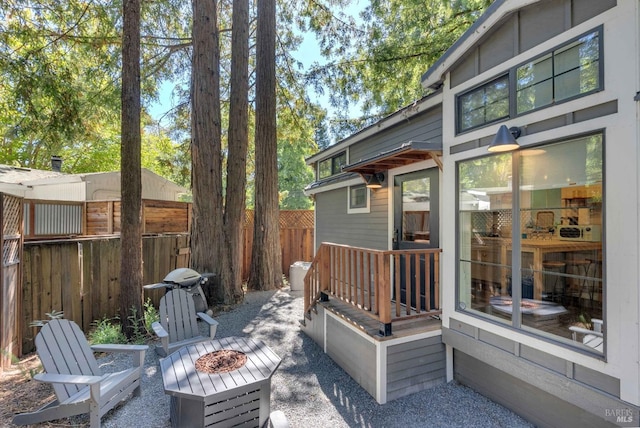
[(582, 205)]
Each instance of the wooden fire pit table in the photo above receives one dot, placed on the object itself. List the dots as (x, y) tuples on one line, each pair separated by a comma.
[(214, 391)]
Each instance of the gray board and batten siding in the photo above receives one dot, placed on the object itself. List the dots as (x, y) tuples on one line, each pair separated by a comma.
[(426, 126), (335, 225), (370, 230), (520, 31)]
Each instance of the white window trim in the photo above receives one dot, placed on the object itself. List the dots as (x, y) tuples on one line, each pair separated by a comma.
[(363, 210)]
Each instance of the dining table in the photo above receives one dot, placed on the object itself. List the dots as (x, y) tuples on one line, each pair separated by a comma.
[(540, 249)]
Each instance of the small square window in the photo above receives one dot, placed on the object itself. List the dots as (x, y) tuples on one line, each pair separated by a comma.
[(483, 105), (358, 201)]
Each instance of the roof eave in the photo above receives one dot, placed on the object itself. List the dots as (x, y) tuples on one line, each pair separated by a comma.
[(435, 75)]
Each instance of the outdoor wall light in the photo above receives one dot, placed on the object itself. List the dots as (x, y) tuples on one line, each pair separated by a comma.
[(374, 181), (505, 139)]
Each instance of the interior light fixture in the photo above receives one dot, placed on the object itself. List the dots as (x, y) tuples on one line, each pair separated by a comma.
[(374, 181), (505, 139)]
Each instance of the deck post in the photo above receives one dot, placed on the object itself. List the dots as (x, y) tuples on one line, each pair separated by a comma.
[(385, 329), (384, 296)]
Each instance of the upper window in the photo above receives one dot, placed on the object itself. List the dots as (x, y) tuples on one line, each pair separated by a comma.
[(332, 165), (484, 105), (567, 72)]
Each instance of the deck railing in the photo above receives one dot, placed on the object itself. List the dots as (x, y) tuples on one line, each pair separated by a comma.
[(387, 285)]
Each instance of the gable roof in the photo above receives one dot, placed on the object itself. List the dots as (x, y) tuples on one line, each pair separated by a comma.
[(496, 12), (18, 175)]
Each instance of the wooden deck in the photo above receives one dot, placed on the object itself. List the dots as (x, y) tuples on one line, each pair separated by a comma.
[(371, 326)]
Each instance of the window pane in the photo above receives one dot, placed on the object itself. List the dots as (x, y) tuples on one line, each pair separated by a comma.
[(484, 223), (358, 198), (485, 104), (535, 96), (561, 248), (324, 169), (569, 71), (534, 85), (416, 209), (497, 110), (338, 161)]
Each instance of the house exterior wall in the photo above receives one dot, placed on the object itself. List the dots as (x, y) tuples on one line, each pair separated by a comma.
[(334, 223), (106, 186), (426, 126), (591, 384), (372, 229), (57, 192)]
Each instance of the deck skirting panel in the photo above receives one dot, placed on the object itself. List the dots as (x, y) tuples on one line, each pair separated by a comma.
[(415, 366), (387, 368)]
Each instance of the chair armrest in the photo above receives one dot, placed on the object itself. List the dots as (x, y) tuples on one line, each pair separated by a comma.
[(65, 378), (136, 351), (159, 330), (114, 347), (585, 331), (213, 324), (597, 324)]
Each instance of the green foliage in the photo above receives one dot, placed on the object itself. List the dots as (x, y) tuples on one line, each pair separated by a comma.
[(378, 64), (50, 315), (109, 330), (106, 331), (150, 315)]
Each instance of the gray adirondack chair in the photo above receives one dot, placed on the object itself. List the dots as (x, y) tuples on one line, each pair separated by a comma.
[(78, 382), (178, 325)]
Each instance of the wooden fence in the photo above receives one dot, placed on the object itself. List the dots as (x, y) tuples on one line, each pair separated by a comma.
[(296, 239), (81, 278), (45, 219)]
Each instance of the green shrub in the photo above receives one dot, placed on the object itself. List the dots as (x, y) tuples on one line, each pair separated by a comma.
[(150, 315), (105, 331)]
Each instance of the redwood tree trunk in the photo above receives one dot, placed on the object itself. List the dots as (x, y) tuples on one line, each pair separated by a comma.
[(234, 214), (130, 171), (266, 271), (206, 176)]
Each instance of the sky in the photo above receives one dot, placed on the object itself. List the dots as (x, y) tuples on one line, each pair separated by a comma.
[(307, 53)]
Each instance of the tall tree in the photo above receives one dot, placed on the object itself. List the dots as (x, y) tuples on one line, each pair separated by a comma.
[(266, 270), (131, 174), (238, 142), (206, 156)]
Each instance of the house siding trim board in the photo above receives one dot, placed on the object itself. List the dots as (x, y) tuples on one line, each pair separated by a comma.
[(595, 394)]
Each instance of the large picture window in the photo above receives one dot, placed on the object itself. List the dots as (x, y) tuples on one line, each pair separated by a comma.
[(530, 237)]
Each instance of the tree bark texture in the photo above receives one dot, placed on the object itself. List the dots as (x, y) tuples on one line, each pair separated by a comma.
[(238, 141), (265, 272), (206, 157), (130, 171)]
